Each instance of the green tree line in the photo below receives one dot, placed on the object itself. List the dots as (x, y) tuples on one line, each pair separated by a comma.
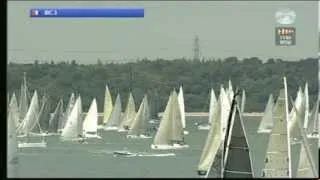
[(158, 77)]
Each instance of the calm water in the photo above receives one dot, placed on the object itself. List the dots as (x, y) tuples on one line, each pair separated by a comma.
[(95, 159)]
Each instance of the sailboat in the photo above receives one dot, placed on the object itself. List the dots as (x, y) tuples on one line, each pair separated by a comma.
[(213, 144), (243, 100), (55, 118), (23, 100), (13, 106), (230, 92), (277, 162), (170, 131), (306, 165), (306, 113), (12, 148), (225, 110), (115, 117), (29, 123), (182, 110), (266, 123), (90, 123), (237, 158), (73, 128), (70, 105), (140, 122), (293, 124), (108, 107), (213, 102), (129, 115), (313, 123)]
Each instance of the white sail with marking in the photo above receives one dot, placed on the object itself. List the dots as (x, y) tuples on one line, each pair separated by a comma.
[(108, 106), (266, 123), (129, 114)]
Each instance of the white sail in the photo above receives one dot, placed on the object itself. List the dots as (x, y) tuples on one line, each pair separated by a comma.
[(12, 148), (243, 100), (115, 117), (90, 123), (170, 131), (277, 162), (181, 105), (128, 115), (225, 110), (213, 142), (13, 106), (298, 103), (139, 124), (313, 123), (266, 123), (213, 104), (306, 167), (70, 131), (56, 117), (108, 106), (70, 105), (30, 120), (306, 114), (230, 91), (23, 100)]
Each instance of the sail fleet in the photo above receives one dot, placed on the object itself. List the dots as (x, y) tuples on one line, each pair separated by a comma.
[(226, 151)]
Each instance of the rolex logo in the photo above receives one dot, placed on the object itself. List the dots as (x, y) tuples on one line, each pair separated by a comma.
[(285, 16)]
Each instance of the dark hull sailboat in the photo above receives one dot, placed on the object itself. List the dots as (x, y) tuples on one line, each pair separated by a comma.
[(235, 156)]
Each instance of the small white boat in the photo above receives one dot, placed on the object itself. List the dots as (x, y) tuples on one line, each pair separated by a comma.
[(204, 127), (92, 136), (141, 136), (124, 153), (168, 147), (42, 144), (313, 136), (111, 128), (185, 132), (153, 121)]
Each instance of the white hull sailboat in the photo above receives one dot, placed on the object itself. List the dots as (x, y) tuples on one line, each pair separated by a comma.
[(90, 123), (170, 131), (73, 130), (29, 123), (128, 115), (107, 108), (115, 117), (139, 125)]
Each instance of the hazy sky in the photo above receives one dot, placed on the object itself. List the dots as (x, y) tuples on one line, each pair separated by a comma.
[(242, 29)]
